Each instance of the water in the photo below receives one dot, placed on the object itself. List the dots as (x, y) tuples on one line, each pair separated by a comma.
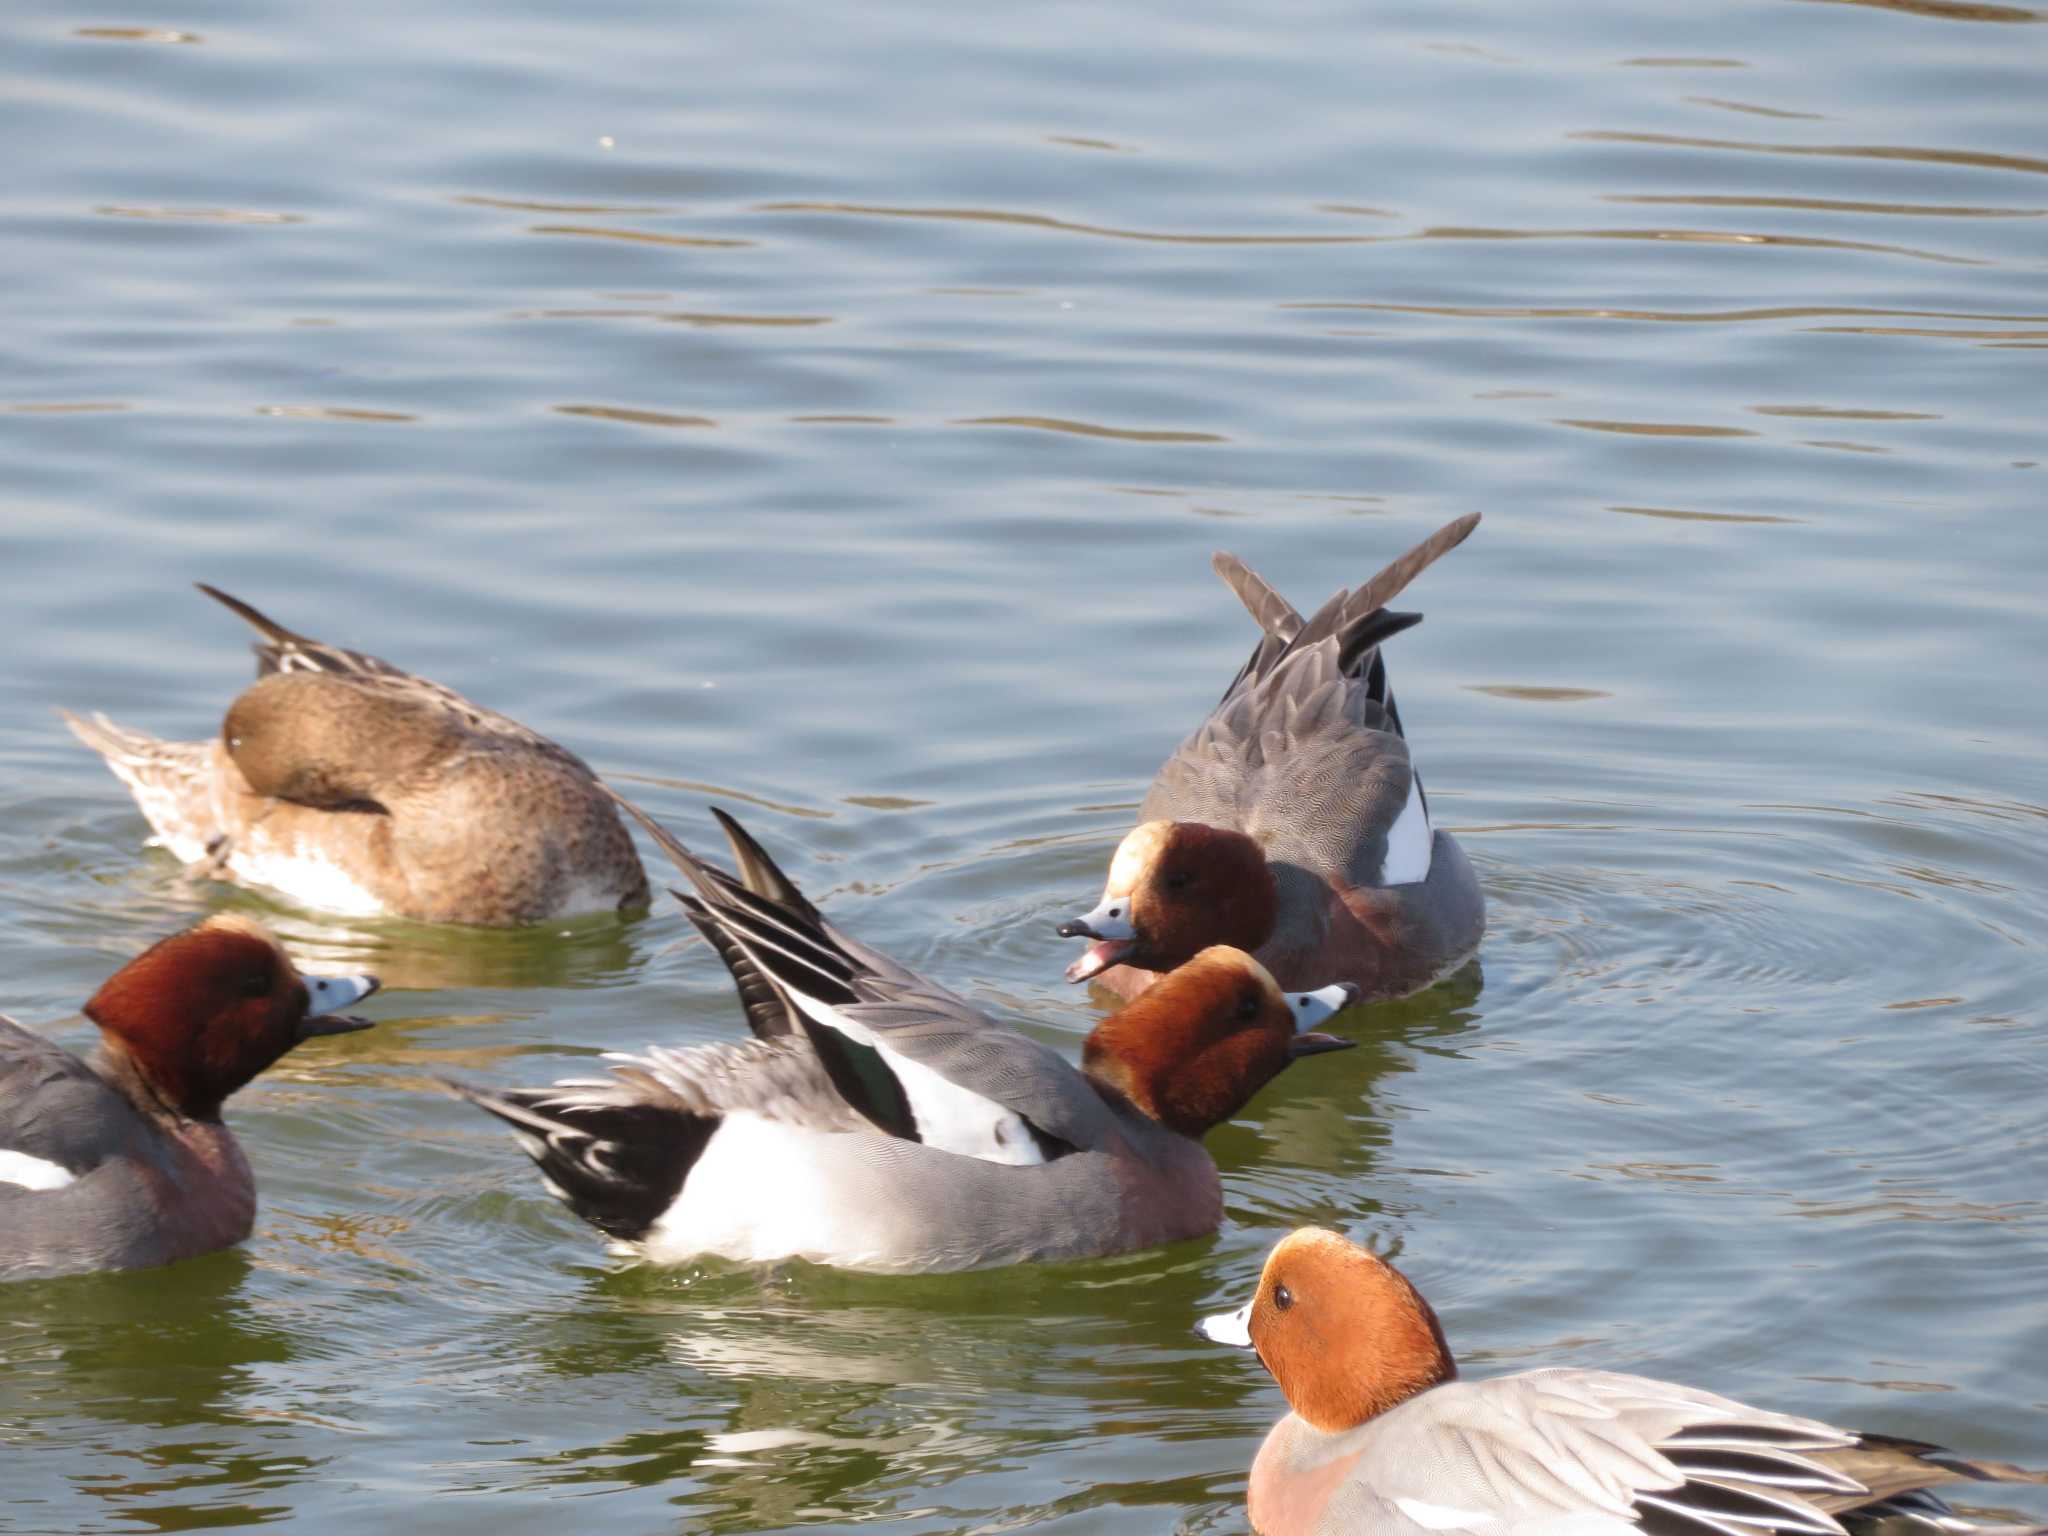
[(829, 411)]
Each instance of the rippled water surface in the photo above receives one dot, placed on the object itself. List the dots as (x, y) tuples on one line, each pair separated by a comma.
[(829, 411)]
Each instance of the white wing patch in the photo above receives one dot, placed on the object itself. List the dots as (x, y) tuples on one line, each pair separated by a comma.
[(33, 1172), (1440, 1517), (949, 1117), (1408, 841)]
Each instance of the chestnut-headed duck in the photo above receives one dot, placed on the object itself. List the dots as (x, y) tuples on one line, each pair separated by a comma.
[(879, 1122), (1385, 1440), (351, 786), (120, 1160), (1293, 822)]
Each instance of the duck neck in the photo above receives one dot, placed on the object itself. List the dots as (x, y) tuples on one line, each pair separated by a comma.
[(117, 1065)]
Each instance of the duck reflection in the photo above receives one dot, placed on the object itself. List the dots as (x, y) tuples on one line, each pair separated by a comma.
[(592, 951), (151, 1369)]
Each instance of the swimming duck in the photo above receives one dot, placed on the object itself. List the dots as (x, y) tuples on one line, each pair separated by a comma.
[(349, 785), (1293, 823), (1385, 1439), (880, 1122), (120, 1160)]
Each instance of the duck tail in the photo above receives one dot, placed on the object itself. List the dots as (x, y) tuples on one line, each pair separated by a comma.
[(1358, 619), (616, 1162), (1959, 1468), (1392, 581), (1274, 615), (168, 779), (286, 650)]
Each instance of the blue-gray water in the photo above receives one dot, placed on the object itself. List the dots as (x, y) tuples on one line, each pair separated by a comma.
[(830, 410)]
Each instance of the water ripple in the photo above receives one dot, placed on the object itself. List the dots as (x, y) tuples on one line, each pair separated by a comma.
[(1970, 158), (1091, 429)]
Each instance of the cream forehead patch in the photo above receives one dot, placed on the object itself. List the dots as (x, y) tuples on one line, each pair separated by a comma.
[(234, 922), (1231, 955), (1139, 850)]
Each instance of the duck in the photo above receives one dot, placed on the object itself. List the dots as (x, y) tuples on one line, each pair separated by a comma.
[(1384, 1438), (119, 1160), (1293, 823), (876, 1121), (351, 786)]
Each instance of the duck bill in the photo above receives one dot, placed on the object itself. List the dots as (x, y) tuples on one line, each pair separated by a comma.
[(1311, 1008), (326, 996), (1232, 1328), (1098, 957), (1109, 925)]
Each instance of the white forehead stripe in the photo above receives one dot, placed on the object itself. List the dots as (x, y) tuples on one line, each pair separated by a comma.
[(1135, 854), (33, 1172), (1408, 841)]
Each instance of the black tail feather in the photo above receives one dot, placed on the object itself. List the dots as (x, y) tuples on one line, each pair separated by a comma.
[(759, 873), (774, 942), (619, 1166), (271, 630)]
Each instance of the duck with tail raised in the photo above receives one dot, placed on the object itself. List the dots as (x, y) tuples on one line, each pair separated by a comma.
[(879, 1122), (1293, 823)]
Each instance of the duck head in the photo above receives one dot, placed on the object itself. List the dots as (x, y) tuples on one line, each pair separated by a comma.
[(1192, 1051), (203, 1012), (1174, 889), (330, 742), (1343, 1331)]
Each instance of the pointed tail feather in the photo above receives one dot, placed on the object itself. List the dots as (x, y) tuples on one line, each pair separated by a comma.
[(1391, 582), (1357, 618), (119, 745), (768, 1008), (759, 873), (170, 781), (1360, 606), (1274, 614), (286, 650), (268, 627), (775, 944), (1895, 1451)]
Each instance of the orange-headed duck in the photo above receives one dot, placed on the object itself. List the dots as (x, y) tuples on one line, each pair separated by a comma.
[(120, 1160), (1385, 1440), (1293, 823), (351, 786), (879, 1122)]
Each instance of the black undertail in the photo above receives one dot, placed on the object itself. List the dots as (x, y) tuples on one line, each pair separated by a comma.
[(618, 1166)]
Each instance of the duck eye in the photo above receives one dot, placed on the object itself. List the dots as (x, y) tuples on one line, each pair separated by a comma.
[(255, 984), (1248, 1006), (1283, 1298), (1178, 881)]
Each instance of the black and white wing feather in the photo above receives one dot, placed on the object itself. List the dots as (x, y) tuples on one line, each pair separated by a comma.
[(917, 1060)]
